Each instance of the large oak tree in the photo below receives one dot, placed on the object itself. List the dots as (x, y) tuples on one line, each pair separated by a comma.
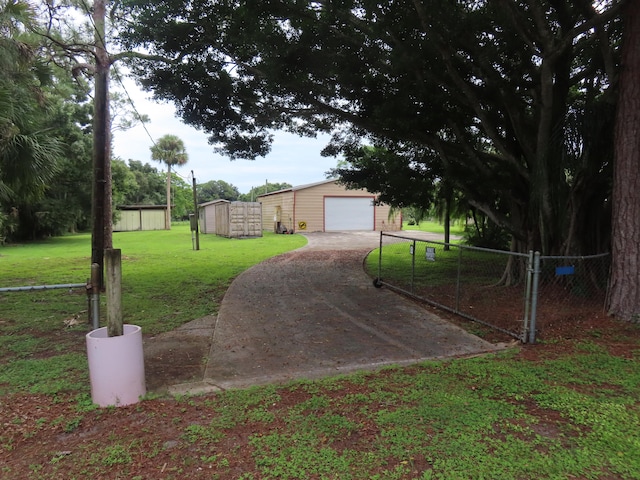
[(512, 102)]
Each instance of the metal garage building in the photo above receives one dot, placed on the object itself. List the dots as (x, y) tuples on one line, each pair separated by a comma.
[(325, 207)]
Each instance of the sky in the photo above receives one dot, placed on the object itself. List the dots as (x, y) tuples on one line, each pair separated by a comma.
[(294, 160)]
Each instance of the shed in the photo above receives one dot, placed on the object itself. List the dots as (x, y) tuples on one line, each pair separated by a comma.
[(325, 207), (231, 219), (140, 217)]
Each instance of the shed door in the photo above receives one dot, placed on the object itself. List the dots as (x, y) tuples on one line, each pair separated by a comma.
[(348, 213)]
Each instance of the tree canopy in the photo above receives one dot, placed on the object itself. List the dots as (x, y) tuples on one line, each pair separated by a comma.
[(45, 124), (511, 101), (217, 189), (268, 187), (170, 150)]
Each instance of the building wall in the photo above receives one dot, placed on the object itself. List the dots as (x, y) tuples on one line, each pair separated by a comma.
[(207, 219), (222, 226), (305, 207), (140, 219), (310, 204), (128, 221), (153, 219), (231, 219), (245, 219), (277, 207), (384, 223)]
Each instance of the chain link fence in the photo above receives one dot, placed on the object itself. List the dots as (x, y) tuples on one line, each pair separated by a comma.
[(569, 289), (511, 292)]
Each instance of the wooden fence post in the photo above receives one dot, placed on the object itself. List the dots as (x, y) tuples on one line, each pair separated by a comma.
[(113, 264)]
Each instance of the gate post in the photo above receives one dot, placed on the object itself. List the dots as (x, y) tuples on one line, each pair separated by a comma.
[(534, 297), (527, 298)]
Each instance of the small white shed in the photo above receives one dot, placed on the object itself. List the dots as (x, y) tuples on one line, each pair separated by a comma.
[(231, 219)]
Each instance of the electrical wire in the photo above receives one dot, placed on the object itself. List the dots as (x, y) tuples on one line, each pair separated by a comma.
[(117, 74), (119, 80)]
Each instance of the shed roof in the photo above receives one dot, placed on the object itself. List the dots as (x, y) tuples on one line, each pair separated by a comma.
[(141, 207), (217, 200)]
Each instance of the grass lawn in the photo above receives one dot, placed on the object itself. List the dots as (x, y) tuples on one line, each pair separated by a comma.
[(567, 408), (435, 227), (165, 284)]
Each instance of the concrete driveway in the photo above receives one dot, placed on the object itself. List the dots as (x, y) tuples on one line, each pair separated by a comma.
[(314, 312)]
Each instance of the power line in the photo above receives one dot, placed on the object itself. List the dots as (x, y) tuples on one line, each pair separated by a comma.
[(138, 116), (117, 74), (119, 80)]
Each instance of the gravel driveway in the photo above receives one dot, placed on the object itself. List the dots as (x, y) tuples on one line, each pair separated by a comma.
[(314, 312)]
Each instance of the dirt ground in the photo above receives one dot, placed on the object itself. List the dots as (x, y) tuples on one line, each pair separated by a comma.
[(179, 356)]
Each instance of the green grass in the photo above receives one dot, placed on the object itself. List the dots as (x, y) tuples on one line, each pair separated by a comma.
[(492, 417), (400, 267), (572, 414), (465, 419), (165, 283), (456, 228)]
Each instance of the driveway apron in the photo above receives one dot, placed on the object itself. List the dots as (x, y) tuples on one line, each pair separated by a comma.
[(314, 312)]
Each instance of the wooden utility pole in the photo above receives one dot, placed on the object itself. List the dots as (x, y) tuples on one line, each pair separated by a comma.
[(101, 235)]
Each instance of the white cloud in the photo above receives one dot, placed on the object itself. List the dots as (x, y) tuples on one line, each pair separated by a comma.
[(293, 159)]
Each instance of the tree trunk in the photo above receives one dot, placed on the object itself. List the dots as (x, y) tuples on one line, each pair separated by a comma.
[(623, 299)]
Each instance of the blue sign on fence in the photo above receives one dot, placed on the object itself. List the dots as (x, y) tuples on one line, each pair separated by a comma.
[(568, 270)]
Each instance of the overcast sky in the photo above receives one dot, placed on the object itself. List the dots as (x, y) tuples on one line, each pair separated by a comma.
[(293, 159)]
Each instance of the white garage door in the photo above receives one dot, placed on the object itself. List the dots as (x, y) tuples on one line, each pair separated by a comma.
[(348, 213)]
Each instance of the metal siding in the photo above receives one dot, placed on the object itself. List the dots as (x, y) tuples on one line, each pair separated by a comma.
[(310, 203), (222, 219), (245, 219), (233, 219), (386, 224), (307, 205), (129, 221), (152, 219), (209, 219), (285, 201), (309, 208), (140, 219)]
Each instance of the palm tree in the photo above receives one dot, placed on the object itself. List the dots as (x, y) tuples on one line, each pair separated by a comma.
[(28, 151), (170, 150)]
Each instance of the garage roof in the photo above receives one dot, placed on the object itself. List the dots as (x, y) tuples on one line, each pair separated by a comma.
[(299, 187)]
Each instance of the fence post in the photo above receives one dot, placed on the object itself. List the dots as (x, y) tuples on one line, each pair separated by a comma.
[(534, 297), (413, 264), (95, 295), (459, 274), (113, 264), (527, 298), (380, 259)]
